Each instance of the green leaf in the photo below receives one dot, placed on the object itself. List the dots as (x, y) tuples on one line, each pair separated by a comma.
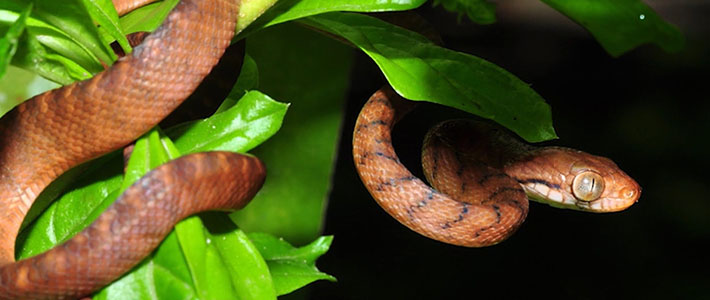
[(287, 10), (248, 80), (38, 51), (420, 70), (621, 25), (292, 268), (8, 43), (300, 159), (147, 18), (248, 271), (251, 10), (71, 17), (255, 118), (104, 13), (209, 274), (164, 275), (479, 11), (215, 261), (20, 84), (88, 195), (149, 152), (78, 208), (71, 33)]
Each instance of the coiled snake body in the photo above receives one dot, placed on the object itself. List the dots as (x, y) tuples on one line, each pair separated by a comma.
[(482, 177)]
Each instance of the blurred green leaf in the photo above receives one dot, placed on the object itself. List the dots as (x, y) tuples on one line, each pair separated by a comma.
[(621, 25), (479, 11), (420, 70), (313, 75), (20, 84), (8, 43), (290, 267)]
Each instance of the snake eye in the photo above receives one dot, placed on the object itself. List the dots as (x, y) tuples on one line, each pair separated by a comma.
[(588, 186)]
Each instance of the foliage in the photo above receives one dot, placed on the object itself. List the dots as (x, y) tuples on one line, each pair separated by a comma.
[(209, 256), (479, 11)]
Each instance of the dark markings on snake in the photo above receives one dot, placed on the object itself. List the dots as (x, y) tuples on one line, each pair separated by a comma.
[(540, 181), (462, 214), (489, 176), (478, 232), (496, 208), (363, 158), (406, 178), (393, 182), (460, 170), (378, 122), (504, 190), (380, 141), (382, 100), (424, 202), (517, 205), (392, 158), (410, 213)]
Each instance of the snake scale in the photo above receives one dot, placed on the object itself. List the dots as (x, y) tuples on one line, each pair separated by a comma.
[(47, 135)]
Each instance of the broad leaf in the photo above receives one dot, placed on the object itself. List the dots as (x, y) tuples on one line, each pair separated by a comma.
[(420, 70), (621, 25), (104, 13), (87, 196), (247, 124), (147, 18), (164, 275), (248, 271), (300, 159), (290, 267), (287, 10)]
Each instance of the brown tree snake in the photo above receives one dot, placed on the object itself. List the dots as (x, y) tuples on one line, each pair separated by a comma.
[(47, 135)]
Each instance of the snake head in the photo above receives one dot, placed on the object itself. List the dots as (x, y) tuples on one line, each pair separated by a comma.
[(574, 179)]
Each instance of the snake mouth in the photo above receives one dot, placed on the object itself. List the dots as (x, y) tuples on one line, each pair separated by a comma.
[(590, 206)]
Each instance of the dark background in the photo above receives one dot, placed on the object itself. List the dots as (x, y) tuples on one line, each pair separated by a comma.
[(647, 110)]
